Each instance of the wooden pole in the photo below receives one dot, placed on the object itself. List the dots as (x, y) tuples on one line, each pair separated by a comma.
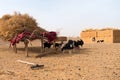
[(26, 47), (15, 48), (42, 45), (26, 62)]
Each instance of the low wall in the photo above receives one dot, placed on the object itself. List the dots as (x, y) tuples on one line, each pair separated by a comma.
[(109, 36)]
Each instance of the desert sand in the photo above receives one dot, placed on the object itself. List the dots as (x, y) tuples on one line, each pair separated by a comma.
[(94, 61)]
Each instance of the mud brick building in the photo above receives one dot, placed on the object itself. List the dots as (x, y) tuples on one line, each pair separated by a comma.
[(108, 35)]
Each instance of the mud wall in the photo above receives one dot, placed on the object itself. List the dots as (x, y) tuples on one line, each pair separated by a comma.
[(106, 35), (116, 36), (87, 36)]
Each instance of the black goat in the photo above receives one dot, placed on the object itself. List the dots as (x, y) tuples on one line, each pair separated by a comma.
[(58, 45), (80, 42), (47, 45), (100, 41)]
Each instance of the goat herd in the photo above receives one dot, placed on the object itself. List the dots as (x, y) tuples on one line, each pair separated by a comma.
[(69, 45)]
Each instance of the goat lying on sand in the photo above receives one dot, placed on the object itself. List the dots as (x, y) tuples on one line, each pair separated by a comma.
[(100, 41)]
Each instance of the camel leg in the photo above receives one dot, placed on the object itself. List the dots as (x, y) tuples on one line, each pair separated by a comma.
[(26, 47)]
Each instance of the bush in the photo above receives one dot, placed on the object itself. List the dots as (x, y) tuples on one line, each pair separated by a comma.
[(17, 23)]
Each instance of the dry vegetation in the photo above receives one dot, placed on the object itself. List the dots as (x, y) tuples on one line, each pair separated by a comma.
[(17, 23), (91, 29)]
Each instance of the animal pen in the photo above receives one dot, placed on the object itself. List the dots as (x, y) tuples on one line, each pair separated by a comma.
[(108, 35)]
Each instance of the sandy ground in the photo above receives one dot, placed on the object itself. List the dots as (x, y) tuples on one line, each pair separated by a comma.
[(91, 62)]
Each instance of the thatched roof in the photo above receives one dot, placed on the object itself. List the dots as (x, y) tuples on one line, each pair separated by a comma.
[(91, 29), (16, 23)]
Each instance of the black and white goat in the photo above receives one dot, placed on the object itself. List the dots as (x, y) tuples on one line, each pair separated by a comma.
[(58, 45), (71, 44), (68, 46)]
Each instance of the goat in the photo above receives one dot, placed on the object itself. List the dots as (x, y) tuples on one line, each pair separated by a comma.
[(70, 45), (47, 45), (58, 45), (100, 41)]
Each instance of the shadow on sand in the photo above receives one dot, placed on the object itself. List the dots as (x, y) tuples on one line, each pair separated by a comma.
[(52, 52)]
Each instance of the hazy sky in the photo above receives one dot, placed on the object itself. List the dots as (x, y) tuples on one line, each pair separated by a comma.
[(69, 17)]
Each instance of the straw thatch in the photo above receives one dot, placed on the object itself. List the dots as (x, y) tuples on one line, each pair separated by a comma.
[(91, 29), (17, 23)]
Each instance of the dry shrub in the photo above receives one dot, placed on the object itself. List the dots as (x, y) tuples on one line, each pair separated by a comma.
[(90, 29), (109, 29), (17, 23)]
